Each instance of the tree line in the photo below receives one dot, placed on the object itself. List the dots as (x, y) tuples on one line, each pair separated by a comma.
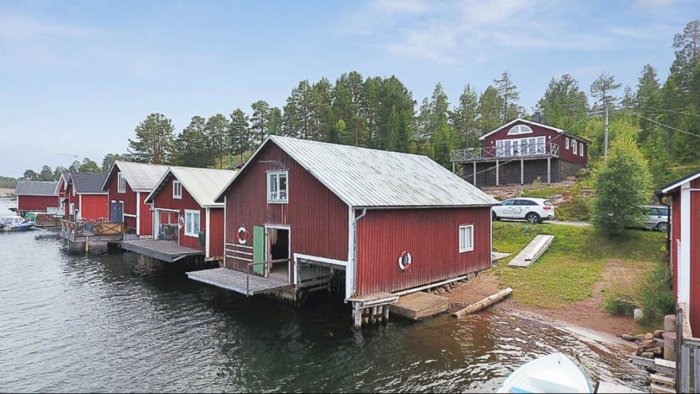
[(46, 173), (661, 117)]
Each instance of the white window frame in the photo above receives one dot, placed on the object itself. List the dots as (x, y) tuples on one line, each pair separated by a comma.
[(574, 147), (273, 198), (566, 144), (519, 129), (177, 190), (580, 149), (533, 146), (121, 183), (189, 220), (465, 246)]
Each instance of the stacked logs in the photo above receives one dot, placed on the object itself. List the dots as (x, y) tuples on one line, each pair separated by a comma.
[(659, 344)]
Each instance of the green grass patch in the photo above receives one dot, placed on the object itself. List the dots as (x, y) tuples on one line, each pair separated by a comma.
[(572, 265)]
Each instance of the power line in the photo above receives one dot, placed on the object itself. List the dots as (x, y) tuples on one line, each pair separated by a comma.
[(673, 112), (661, 124)]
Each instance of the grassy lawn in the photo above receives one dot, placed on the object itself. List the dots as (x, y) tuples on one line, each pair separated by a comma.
[(574, 262), (576, 206)]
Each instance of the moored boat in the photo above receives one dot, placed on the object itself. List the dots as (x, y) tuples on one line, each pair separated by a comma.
[(555, 373), (16, 223)]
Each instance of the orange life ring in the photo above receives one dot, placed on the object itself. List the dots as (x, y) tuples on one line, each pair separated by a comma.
[(405, 260), (243, 235)]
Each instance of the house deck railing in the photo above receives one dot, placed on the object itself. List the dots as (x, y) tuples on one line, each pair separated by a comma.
[(534, 150)]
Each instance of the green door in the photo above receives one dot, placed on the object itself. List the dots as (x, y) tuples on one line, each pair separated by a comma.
[(259, 249)]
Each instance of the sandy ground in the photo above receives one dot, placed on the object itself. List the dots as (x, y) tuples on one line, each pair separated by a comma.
[(588, 314), (5, 192)]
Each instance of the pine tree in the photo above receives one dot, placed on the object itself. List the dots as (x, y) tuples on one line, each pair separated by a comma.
[(239, 133), (89, 166), (463, 118), (260, 121), (45, 174), (154, 140), (490, 108), (297, 118), (193, 145), (216, 130), (603, 89), (509, 94), (563, 104), (647, 101)]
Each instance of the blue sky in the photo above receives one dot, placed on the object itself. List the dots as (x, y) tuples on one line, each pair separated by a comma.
[(76, 77)]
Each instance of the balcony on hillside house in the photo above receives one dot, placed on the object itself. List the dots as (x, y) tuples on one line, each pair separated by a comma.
[(533, 155)]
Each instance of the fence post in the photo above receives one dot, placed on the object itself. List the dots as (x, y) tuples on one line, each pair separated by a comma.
[(679, 346)]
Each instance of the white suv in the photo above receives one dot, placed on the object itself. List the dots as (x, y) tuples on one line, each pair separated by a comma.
[(534, 210)]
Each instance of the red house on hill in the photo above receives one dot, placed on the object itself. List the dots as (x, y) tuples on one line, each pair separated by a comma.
[(685, 242), (185, 210), (520, 152), (128, 184), (376, 221), (36, 195), (84, 198)]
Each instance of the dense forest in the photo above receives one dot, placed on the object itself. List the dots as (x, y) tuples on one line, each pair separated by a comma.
[(662, 117)]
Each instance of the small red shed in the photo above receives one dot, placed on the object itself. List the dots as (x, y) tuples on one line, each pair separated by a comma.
[(382, 221), (36, 195), (84, 198), (185, 210), (685, 242), (128, 184)]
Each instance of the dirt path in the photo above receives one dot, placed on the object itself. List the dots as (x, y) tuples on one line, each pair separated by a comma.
[(588, 313)]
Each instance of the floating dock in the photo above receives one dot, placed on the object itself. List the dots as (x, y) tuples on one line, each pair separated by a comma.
[(420, 305), (167, 251), (532, 251)]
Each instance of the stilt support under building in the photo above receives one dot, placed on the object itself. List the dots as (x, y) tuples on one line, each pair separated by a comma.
[(371, 308)]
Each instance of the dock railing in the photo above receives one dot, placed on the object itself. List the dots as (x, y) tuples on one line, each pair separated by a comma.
[(267, 265), (688, 353), (71, 228)]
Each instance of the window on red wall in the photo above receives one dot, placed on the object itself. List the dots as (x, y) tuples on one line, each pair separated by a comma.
[(580, 149)]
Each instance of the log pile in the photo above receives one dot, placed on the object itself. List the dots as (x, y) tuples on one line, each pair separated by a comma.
[(659, 344)]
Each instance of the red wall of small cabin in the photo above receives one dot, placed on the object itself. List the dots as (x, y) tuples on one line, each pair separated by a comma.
[(146, 215), (164, 199), (318, 219), (70, 198), (538, 131), (93, 206), (36, 203), (129, 199), (216, 232), (430, 235)]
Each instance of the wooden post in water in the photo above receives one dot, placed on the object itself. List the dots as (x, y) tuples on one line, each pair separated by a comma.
[(385, 314), (357, 315)]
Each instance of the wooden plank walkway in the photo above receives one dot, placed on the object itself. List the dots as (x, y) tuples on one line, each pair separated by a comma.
[(532, 251), (236, 281), (374, 299), (420, 305), (162, 250)]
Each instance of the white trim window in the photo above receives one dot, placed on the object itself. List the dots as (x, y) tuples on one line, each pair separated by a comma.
[(466, 238), (580, 149), (521, 147), (277, 187), (192, 223), (121, 183), (574, 145), (566, 143), (519, 129), (177, 190)]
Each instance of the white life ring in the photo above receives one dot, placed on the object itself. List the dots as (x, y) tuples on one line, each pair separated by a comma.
[(180, 222), (405, 260), (243, 235)]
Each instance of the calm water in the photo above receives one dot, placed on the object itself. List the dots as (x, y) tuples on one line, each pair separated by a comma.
[(117, 322)]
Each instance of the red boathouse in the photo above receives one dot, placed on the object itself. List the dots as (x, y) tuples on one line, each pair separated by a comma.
[(185, 211), (36, 195), (301, 212), (685, 243), (128, 184), (84, 198)]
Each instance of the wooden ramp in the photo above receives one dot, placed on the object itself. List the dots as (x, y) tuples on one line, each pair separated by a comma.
[(532, 251), (420, 305), (161, 250), (238, 281)]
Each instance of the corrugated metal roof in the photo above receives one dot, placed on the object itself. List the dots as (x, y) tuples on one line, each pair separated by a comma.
[(88, 183), (203, 184), (364, 177), (142, 177), (36, 188)]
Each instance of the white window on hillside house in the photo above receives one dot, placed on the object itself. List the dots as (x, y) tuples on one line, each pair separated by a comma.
[(121, 183), (466, 238), (277, 187), (192, 220), (566, 143), (519, 129), (177, 190), (573, 146), (521, 146), (580, 149)]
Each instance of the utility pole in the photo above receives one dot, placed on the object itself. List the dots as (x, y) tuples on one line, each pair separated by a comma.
[(607, 106)]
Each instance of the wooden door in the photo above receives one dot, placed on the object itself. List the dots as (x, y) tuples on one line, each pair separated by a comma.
[(259, 249)]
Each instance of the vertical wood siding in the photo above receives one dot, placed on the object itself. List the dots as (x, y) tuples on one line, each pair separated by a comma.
[(216, 232), (430, 235), (129, 199), (318, 219), (36, 203), (695, 256), (164, 199), (94, 206)]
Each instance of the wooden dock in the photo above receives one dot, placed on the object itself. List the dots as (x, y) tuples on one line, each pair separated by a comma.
[(239, 281), (532, 251), (371, 308), (167, 251), (420, 305)]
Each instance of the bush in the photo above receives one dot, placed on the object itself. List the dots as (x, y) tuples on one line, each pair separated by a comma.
[(618, 304), (656, 295)]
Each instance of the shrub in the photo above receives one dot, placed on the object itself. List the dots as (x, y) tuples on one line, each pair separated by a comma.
[(656, 295), (619, 304)]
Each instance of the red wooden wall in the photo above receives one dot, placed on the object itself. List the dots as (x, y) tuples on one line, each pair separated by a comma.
[(36, 203), (216, 232), (430, 235), (318, 219), (70, 198), (129, 198), (538, 131), (164, 199), (93, 206)]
